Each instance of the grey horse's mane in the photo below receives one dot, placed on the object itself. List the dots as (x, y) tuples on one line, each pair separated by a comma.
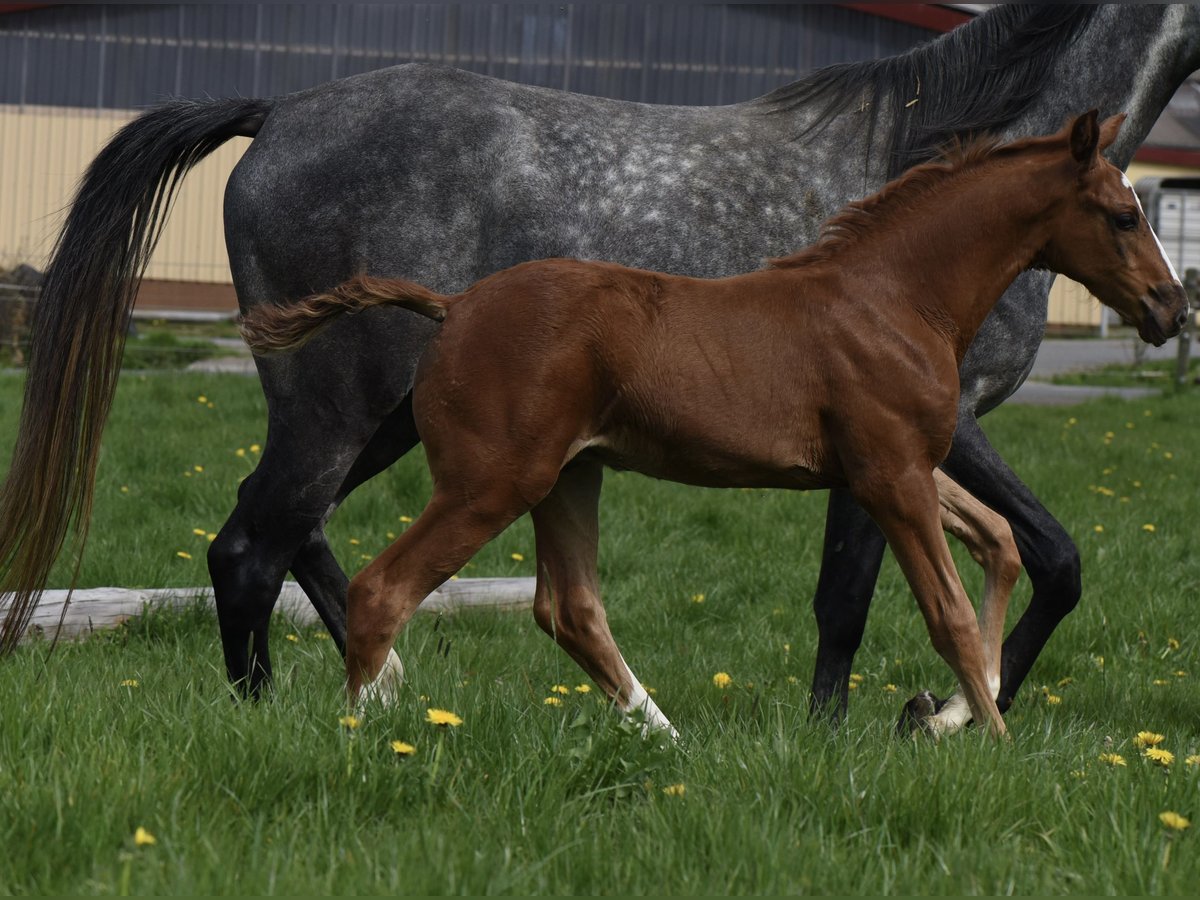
[(974, 80)]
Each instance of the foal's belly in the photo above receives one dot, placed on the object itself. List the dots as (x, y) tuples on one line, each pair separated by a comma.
[(709, 463)]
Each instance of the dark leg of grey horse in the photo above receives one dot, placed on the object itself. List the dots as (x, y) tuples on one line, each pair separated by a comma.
[(847, 582), (849, 567), (1048, 554), (278, 524), (315, 568)]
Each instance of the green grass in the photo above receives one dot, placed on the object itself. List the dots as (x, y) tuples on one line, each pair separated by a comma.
[(1151, 373), (277, 797)]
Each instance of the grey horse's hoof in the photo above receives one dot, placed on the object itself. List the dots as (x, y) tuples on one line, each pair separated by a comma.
[(916, 714)]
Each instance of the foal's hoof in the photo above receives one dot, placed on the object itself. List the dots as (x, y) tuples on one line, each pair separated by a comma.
[(918, 713)]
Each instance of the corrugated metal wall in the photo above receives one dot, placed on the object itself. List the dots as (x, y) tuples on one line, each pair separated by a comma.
[(71, 75), (113, 56)]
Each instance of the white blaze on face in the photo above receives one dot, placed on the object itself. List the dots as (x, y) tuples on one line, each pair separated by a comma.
[(1166, 259)]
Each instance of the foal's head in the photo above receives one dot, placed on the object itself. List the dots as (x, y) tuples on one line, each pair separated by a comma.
[(1100, 238)]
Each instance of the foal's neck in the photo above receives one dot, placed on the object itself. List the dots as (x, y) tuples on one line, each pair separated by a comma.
[(966, 242)]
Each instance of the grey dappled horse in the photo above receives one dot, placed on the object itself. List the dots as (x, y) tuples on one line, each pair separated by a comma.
[(442, 177)]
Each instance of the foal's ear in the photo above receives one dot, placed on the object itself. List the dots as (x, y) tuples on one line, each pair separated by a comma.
[(1109, 129), (1085, 139)]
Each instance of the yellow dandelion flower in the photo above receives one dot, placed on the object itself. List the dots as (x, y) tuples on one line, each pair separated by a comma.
[(1172, 643), (722, 680), (583, 688), (1108, 471), (124, 489), (697, 598), (853, 685), (406, 519), (1053, 699), (1113, 759), (1109, 435), (350, 722), (792, 679), (143, 838), (1072, 421), (518, 557), (648, 689), (1148, 739), (1063, 682), (442, 717), (560, 689), (240, 451), (1168, 455), (1174, 820), (391, 535), (254, 448), (402, 749), (197, 468), (1099, 661), (201, 399), (1149, 526), (890, 688), (183, 554), (1129, 425), (1159, 682), (855, 678), (211, 536), (787, 648), (199, 531), (1079, 773), (1099, 529), (322, 635), (129, 682), (552, 701), (1137, 484), (1179, 673), (1162, 757), (295, 639), (675, 790), (1193, 760)]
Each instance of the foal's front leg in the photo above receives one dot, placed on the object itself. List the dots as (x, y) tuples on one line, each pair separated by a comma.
[(989, 539), (907, 510)]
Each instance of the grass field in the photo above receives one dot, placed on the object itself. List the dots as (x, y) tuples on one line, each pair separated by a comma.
[(134, 729)]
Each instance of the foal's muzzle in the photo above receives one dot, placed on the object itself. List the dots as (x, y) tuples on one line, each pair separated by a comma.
[(1164, 312)]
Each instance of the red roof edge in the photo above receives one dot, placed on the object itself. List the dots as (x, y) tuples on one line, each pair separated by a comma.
[(923, 15), (1169, 156)]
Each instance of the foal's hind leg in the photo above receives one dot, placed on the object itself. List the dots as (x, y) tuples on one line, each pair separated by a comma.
[(567, 602), (989, 540), (384, 595)]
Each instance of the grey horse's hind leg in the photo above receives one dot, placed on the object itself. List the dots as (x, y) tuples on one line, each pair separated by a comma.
[(316, 569)]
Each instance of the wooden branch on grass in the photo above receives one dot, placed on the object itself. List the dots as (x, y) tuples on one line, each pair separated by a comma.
[(96, 608)]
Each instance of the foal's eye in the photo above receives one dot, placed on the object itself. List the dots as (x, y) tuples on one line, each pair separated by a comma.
[(1126, 221)]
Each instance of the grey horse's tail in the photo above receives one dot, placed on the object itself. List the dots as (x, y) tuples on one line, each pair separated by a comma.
[(270, 328), (78, 334)]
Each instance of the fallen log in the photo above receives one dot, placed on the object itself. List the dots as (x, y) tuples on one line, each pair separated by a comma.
[(93, 609)]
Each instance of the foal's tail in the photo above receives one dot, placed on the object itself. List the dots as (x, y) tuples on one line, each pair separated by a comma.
[(269, 328), (79, 325)]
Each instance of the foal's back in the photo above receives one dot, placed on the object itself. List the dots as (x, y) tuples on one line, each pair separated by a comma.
[(742, 381)]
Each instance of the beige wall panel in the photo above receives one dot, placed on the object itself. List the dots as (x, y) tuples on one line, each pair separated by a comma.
[(43, 154)]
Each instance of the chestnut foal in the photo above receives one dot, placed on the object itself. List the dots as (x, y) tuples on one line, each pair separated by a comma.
[(835, 366)]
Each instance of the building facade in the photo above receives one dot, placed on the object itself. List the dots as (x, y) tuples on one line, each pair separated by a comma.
[(70, 75)]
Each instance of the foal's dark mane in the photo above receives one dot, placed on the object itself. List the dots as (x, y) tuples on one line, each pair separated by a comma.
[(865, 216), (974, 80)]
